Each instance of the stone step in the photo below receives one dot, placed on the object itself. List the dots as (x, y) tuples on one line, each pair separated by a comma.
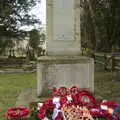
[(26, 96)]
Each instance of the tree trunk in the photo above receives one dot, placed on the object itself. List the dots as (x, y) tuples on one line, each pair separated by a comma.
[(97, 34)]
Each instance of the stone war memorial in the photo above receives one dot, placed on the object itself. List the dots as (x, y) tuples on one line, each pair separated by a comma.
[(63, 65), (65, 78)]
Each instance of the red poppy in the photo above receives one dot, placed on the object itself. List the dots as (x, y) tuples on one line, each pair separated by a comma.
[(63, 100), (41, 114), (55, 92), (49, 104), (62, 91), (74, 90)]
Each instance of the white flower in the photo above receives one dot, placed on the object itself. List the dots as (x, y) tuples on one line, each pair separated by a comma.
[(69, 98), (39, 105), (45, 118), (104, 107), (56, 100)]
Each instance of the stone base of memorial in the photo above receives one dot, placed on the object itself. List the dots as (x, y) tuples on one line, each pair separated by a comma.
[(57, 71)]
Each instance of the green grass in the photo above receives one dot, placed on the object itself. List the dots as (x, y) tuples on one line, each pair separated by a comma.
[(11, 86), (107, 86)]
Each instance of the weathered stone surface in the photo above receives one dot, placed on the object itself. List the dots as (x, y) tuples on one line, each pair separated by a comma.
[(26, 96), (63, 27), (64, 71), (63, 66)]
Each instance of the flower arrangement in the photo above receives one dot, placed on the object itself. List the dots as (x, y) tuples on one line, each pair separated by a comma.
[(76, 113), (68, 104), (17, 113), (76, 104), (106, 109)]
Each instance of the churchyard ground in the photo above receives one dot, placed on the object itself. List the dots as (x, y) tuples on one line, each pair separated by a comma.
[(106, 87), (10, 88)]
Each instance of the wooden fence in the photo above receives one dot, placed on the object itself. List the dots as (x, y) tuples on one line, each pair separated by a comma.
[(109, 61), (12, 62)]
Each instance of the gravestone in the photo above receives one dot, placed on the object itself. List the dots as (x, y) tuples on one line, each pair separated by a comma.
[(63, 65)]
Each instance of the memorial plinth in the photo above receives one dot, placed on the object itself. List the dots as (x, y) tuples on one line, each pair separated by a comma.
[(57, 71), (63, 65)]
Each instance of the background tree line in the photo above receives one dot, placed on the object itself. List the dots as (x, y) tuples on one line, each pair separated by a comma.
[(13, 15), (100, 25)]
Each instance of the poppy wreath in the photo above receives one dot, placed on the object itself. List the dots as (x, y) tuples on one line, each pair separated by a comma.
[(106, 109), (98, 113), (61, 92), (68, 97), (46, 109), (76, 98), (86, 98), (17, 113)]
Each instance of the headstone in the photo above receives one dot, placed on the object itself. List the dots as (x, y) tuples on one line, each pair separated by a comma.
[(63, 65)]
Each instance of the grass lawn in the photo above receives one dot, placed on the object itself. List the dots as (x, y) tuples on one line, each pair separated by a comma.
[(11, 86), (107, 86)]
